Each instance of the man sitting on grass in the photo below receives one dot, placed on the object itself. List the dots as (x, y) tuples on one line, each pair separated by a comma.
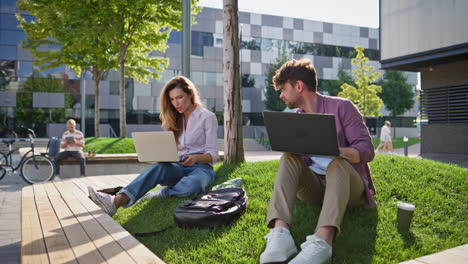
[(73, 142), (335, 182)]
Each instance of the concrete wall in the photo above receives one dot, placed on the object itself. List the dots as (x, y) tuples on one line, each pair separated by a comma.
[(444, 75), (444, 138), (413, 26)]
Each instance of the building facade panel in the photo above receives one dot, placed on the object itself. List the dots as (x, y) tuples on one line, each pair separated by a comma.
[(244, 18), (48, 100), (272, 21), (255, 19), (288, 23), (288, 34), (313, 26), (7, 99), (298, 24), (403, 23), (364, 32)]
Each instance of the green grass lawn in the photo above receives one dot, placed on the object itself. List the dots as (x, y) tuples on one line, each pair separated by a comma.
[(369, 235), (105, 145)]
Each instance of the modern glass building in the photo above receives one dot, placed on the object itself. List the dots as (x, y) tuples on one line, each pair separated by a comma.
[(45, 99)]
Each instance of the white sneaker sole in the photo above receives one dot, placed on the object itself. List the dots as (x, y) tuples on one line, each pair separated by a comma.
[(272, 259)]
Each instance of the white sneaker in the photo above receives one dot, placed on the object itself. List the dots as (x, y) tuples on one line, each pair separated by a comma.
[(314, 251), (103, 200), (280, 246), (57, 178), (149, 195)]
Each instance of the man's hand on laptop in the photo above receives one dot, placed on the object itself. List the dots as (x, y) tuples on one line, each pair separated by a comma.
[(350, 154)]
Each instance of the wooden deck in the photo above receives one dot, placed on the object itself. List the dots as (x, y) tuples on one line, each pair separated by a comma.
[(60, 224)]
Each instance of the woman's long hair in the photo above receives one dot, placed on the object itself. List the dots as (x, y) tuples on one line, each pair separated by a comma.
[(171, 119)]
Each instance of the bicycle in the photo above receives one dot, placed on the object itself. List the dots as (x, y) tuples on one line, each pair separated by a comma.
[(34, 167)]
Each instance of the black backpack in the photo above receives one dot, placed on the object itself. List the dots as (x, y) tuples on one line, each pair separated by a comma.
[(213, 209), (53, 147)]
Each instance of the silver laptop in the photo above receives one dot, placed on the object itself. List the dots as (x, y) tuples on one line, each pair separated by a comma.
[(311, 134), (155, 146)]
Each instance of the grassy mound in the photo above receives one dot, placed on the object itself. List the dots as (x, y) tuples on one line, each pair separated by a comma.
[(369, 235)]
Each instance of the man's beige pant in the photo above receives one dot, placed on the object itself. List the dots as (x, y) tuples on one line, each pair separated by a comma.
[(342, 187)]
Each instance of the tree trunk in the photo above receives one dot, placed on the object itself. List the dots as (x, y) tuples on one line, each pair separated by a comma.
[(233, 138), (97, 106), (123, 112)]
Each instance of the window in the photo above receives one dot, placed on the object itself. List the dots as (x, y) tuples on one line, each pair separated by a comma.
[(7, 52), (251, 43), (9, 21), (9, 37), (8, 6), (175, 37), (267, 44), (210, 79), (200, 40), (25, 68), (7, 71), (305, 48), (114, 87), (53, 71), (218, 40)]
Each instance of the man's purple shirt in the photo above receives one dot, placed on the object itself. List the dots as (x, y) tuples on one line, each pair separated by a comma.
[(352, 132)]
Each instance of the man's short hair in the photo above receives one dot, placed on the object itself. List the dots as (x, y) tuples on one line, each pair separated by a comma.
[(71, 121), (296, 70)]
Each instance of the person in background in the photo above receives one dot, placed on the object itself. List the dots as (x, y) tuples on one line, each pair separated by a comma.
[(72, 142), (385, 138), (195, 129)]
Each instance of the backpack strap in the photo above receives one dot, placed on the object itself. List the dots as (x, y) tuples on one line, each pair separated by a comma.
[(150, 234)]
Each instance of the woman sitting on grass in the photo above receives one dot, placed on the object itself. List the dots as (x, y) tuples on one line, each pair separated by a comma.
[(195, 129)]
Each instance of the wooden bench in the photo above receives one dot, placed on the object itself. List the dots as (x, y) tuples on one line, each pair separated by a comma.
[(60, 224)]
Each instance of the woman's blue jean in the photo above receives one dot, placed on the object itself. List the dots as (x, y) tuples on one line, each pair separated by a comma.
[(181, 180)]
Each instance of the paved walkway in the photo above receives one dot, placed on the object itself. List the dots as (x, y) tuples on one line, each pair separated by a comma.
[(10, 226)]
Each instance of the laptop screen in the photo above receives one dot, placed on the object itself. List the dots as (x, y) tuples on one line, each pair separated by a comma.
[(304, 133)]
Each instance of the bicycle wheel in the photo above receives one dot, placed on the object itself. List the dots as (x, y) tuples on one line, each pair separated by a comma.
[(37, 169), (3, 162)]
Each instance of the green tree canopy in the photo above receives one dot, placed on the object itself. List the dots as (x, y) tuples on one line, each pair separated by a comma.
[(77, 31), (397, 94), (137, 29), (272, 100), (364, 94)]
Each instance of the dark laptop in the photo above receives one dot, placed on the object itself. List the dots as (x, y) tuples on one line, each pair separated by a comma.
[(312, 134)]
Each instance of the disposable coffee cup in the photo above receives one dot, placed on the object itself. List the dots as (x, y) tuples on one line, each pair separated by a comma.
[(404, 216)]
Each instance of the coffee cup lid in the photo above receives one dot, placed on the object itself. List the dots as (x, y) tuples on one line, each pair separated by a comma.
[(406, 206)]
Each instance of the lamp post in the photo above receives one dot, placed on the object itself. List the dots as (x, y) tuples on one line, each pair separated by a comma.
[(405, 141), (83, 102)]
